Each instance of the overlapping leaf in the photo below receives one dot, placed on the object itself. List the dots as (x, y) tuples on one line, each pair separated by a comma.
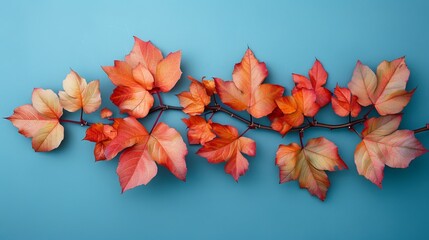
[(383, 144), (246, 91), (307, 165), (40, 121), (199, 130), (293, 109), (386, 91), (78, 94), (318, 77), (163, 145), (144, 71), (102, 135), (228, 147), (194, 101), (344, 103)]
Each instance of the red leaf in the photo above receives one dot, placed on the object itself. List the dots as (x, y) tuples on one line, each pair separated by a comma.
[(318, 77), (164, 146), (228, 147), (344, 103), (144, 71), (246, 91), (102, 135), (293, 109), (194, 101), (199, 130)]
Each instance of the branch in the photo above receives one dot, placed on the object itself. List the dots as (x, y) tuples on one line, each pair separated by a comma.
[(422, 129), (254, 125)]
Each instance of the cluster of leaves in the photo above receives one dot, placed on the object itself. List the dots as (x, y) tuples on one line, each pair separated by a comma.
[(145, 75)]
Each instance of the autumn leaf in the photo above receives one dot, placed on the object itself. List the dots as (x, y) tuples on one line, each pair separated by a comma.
[(102, 135), (318, 77), (163, 145), (386, 90), (40, 121), (210, 86), (106, 113), (293, 109), (246, 91), (194, 101), (199, 130), (143, 72), (78, 94), (308, 164), (383, 144), (228, 147), (344, 103)]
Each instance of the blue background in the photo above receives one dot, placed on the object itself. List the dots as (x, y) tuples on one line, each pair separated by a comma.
[(65, 195)]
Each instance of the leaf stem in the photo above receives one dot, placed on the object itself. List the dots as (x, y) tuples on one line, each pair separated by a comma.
[(422, 129), (354, 130), (161, 103), (301, 136), (369, 111), (156, 120), (81, 122), (244, 132)]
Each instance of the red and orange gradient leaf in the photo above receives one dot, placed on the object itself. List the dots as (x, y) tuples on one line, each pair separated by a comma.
[(163, 145), (383, 144), (41, 120), (102, 135), (344, 103), (318, 77), (194, 101), (106, 113), (308, 164), (143, 72), (246, 91), (292, 110), (199, 130), (386, 90), (228, 147), (78, 94)]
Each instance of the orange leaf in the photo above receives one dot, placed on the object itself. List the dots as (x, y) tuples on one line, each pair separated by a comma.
[(143, 72), (344, 103), (164, 146), (307, 165), (293, 109), (102, 135), (78, 94), (318, 77), (168, 72), (135, 167), (40, 121), (194, 101), (383, 144), (106, 113), (246, 91), (210, 86), (134, 101), (199, 130), (228, 147), (386, 91), (144, 53)]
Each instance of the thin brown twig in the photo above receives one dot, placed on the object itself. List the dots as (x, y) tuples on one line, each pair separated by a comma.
[(254, 125)]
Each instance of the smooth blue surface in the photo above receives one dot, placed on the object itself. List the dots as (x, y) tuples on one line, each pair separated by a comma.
[(65, 195)]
